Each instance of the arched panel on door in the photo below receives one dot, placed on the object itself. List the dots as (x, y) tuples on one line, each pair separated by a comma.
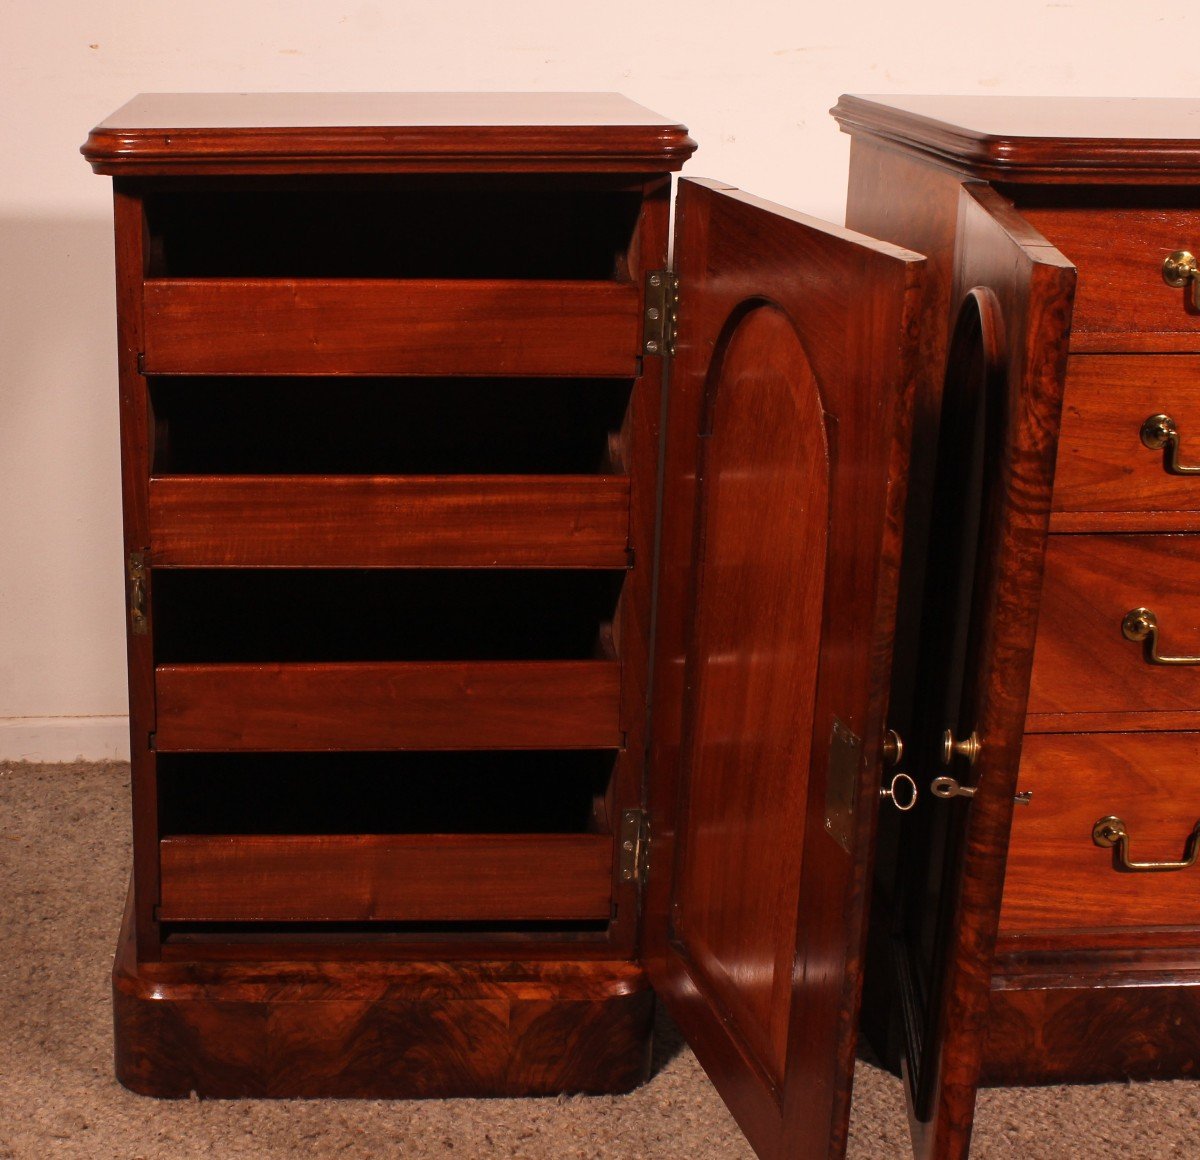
[(762, 519)]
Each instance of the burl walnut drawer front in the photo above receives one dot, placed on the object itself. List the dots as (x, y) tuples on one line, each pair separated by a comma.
[(1129, 449), (1059, 879), (1122, 302), (1085, 664)]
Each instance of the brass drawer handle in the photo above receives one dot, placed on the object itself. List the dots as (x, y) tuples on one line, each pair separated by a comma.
[(1180, 269), (1111, 832), (1140, 624), (1161, 433)]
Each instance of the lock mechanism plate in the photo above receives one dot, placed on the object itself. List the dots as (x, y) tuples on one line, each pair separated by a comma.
[(841, 789)]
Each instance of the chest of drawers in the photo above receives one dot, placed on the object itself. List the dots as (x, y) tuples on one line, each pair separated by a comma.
[(1096, 968)]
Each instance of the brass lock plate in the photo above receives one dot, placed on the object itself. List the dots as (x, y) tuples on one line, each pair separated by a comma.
[(841, 789)]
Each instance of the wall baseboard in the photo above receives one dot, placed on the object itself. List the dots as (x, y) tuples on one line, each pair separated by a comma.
[(64, 738)]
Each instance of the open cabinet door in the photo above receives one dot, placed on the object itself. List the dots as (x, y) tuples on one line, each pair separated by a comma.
[(996, 446), (786, 453)]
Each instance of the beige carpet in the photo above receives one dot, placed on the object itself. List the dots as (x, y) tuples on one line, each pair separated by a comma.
[(63, 866)]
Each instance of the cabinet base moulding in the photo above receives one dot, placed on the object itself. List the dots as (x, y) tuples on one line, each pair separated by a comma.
[(379, 1030), (1083, 1028)]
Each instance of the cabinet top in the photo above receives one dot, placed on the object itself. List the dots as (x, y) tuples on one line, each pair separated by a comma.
[(1073, 140), (168, 134)]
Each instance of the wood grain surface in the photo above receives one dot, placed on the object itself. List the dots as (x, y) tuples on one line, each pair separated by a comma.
[(1101, 1025), (1106, 479), (1122, 302), (1058, 879), (438, 705), (1034, 139), (385, 877), (390, 521), (313, 326), (222, 133), (770, 1002), (1083, 665), (388, 1030)]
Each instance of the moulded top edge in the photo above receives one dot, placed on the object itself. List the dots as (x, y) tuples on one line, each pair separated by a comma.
[(1038, 138), (195, 132)]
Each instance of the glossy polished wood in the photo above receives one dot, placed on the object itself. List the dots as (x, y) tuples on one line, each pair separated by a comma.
[(1091, 583), (1122, 303), (281, 326), (1106, 479), (221, 133), (833, 313), (412, 705), (136, 441), (1064, 140), (584, 1027), (754, 661), (1058, 879), (385, 877), (381, 1030), (1094, 1025), (1093, 178), (1032, 285), (380, 521)]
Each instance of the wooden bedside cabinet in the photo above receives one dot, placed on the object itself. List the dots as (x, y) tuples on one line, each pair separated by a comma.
[(1098, 953), (437, 769)]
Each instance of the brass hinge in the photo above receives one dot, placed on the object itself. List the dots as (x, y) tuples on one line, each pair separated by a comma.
[(662, 301), (138, 623), (635, 845)]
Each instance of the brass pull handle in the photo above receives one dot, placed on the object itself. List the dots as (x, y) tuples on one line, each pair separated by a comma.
[(1111, 832), (1180, 270), (138, 623), (1161, 433), (908, 800), (1140, 624)]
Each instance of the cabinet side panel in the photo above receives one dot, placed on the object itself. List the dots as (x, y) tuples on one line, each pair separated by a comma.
[(136, 425)]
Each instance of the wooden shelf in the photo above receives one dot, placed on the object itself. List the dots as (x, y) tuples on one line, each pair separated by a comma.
[(389, 877), (381, 326), (442, 705), (381, 521)]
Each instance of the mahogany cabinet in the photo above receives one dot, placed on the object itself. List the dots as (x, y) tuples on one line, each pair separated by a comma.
[(1097, 969), (513, 618)]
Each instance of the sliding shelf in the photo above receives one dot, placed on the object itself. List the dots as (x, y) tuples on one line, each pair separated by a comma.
[(302, 326), (392, 705), (386, 877), (380, 521)]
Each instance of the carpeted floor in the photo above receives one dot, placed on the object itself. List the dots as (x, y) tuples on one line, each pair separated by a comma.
[(63, 867)]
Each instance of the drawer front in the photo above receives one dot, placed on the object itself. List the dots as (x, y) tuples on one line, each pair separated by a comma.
[(1058, 879), (1083, 664), (1107, 476), (1121, 300)]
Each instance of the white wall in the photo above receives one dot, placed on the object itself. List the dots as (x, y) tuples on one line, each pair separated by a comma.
[(753, 80)]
